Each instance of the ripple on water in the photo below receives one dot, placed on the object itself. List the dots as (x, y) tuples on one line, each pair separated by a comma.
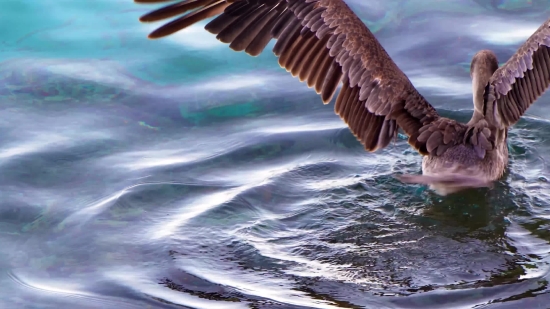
[(288, 231)]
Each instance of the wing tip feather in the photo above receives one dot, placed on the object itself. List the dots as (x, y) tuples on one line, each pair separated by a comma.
[(155, 35)]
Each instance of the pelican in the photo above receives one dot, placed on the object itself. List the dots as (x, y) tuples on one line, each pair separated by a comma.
[(323, 43)]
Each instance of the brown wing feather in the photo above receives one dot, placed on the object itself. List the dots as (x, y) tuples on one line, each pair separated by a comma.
[(324, 43), (520, 81)]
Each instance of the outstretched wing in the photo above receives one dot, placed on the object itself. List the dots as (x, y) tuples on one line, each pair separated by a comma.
[(520, 81), (323, 43)]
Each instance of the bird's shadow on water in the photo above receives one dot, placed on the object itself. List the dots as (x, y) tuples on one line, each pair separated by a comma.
[(470, 209)]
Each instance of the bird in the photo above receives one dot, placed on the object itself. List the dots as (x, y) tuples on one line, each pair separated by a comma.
[(326, 45)]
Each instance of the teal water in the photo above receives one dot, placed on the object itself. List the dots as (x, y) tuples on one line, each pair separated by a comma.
[(178, 174)]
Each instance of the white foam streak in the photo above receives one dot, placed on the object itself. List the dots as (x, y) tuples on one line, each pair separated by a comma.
[(93, 209), (140, 283), (66, 288), (293, 128), (32, 146), (204, 204), (43, 141), (327, 184), (233, 82), (274, 288), (498, 31), (308, 267), (441, 85), (156, 158)]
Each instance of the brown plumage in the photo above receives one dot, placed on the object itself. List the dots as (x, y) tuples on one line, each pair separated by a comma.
[(323, 43)]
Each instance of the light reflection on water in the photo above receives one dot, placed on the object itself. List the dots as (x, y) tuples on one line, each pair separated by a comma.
[(175, 173)]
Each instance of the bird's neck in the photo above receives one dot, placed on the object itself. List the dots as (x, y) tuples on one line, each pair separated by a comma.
[(478, 89)]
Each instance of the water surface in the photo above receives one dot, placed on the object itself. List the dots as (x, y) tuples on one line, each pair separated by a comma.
[(179, 174)]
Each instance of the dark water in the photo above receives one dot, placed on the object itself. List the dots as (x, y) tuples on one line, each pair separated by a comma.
[(178, 174)]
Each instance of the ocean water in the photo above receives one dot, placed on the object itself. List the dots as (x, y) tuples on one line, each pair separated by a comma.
[(178, 174)]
